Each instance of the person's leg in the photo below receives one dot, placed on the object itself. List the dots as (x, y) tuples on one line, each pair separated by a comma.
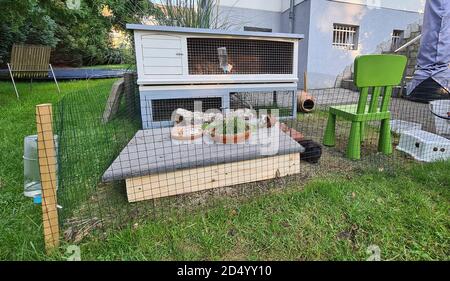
[(428, 90)]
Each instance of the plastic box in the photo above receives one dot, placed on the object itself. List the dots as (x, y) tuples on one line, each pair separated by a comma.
[(400, 126), (442, 108), (424, 146)]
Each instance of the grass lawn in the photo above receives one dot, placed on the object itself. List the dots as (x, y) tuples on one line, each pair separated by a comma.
[(20, 220), (404, 211)]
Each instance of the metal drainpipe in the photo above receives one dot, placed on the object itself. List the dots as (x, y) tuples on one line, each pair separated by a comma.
[(292, 16)]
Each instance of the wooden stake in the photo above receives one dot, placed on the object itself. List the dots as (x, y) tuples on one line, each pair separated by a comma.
[(305, 82), (47, 169)]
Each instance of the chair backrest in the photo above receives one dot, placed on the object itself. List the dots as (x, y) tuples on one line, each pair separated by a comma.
[(378, 74), (30, 61)]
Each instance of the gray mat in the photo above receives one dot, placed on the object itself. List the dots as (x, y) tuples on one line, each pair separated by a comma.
[(152, 151), (74, 74)]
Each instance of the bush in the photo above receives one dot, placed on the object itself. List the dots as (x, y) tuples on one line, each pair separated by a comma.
[(24, 22), (80, 37)]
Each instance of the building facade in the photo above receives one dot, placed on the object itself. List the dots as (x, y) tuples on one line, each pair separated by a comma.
[(336, 31)]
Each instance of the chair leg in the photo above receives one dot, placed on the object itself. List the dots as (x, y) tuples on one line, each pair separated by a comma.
[(12, 79), (385, 143), (54, 78), (354, 143), (363, 131), (329, 138)]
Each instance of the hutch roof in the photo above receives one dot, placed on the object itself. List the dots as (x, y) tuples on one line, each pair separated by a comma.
[(175, 29)]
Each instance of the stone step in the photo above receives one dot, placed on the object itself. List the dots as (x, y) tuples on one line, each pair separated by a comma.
[(414, 34), (410, 71), (414, 47), (397, 92), (413, 54), (349, 85)]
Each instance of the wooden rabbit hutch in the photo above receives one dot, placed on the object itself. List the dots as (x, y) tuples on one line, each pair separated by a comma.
[(177, 66), (224, 70)]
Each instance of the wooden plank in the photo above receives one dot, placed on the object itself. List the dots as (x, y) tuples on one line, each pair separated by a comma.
[(160, 53), (163, 70), (113, 102), (161, 43), (47, 168), (130, 92), (30, 61), (193, 180), (162, 62)]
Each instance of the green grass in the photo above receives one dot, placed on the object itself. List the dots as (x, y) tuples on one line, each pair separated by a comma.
[(404, 212), (402, 209), (88, 145), (20, 220)]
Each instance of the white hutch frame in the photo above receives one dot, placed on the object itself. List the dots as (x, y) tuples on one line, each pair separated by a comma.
[(163, 68)]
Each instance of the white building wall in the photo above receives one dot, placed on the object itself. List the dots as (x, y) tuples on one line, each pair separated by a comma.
[(263, 5), (283, 5), (326, 62), (315, 18), (237, 18), (301, 26), (404, 5)]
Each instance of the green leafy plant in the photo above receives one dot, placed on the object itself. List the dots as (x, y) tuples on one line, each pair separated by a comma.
[(79, 36), (229, 126), (190, 13), (24, 22)]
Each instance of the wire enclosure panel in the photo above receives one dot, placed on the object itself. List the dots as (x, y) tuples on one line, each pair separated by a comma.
[(162, 109), (264, 100), (244, 56), (88, 146)]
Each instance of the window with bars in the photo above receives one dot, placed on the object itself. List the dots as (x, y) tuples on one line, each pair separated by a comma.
[(397, 39), (345, 36), (241, 56)]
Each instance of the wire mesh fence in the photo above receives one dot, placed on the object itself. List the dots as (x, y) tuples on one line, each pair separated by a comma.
[(246, 56), (113, 173)]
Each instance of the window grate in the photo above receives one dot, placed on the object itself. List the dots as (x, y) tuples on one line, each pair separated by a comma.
[(345, 36), (243, 56), (397, 39)]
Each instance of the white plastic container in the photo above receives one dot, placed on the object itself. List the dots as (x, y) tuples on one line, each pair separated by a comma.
[(32, 178), (424, 146), (32, 181), (400, 126), (442, 108)]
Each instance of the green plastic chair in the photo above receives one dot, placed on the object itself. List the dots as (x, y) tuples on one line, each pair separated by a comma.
[(375, 75)]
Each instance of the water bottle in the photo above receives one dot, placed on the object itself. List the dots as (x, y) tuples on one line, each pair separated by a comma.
[(32, 177)]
